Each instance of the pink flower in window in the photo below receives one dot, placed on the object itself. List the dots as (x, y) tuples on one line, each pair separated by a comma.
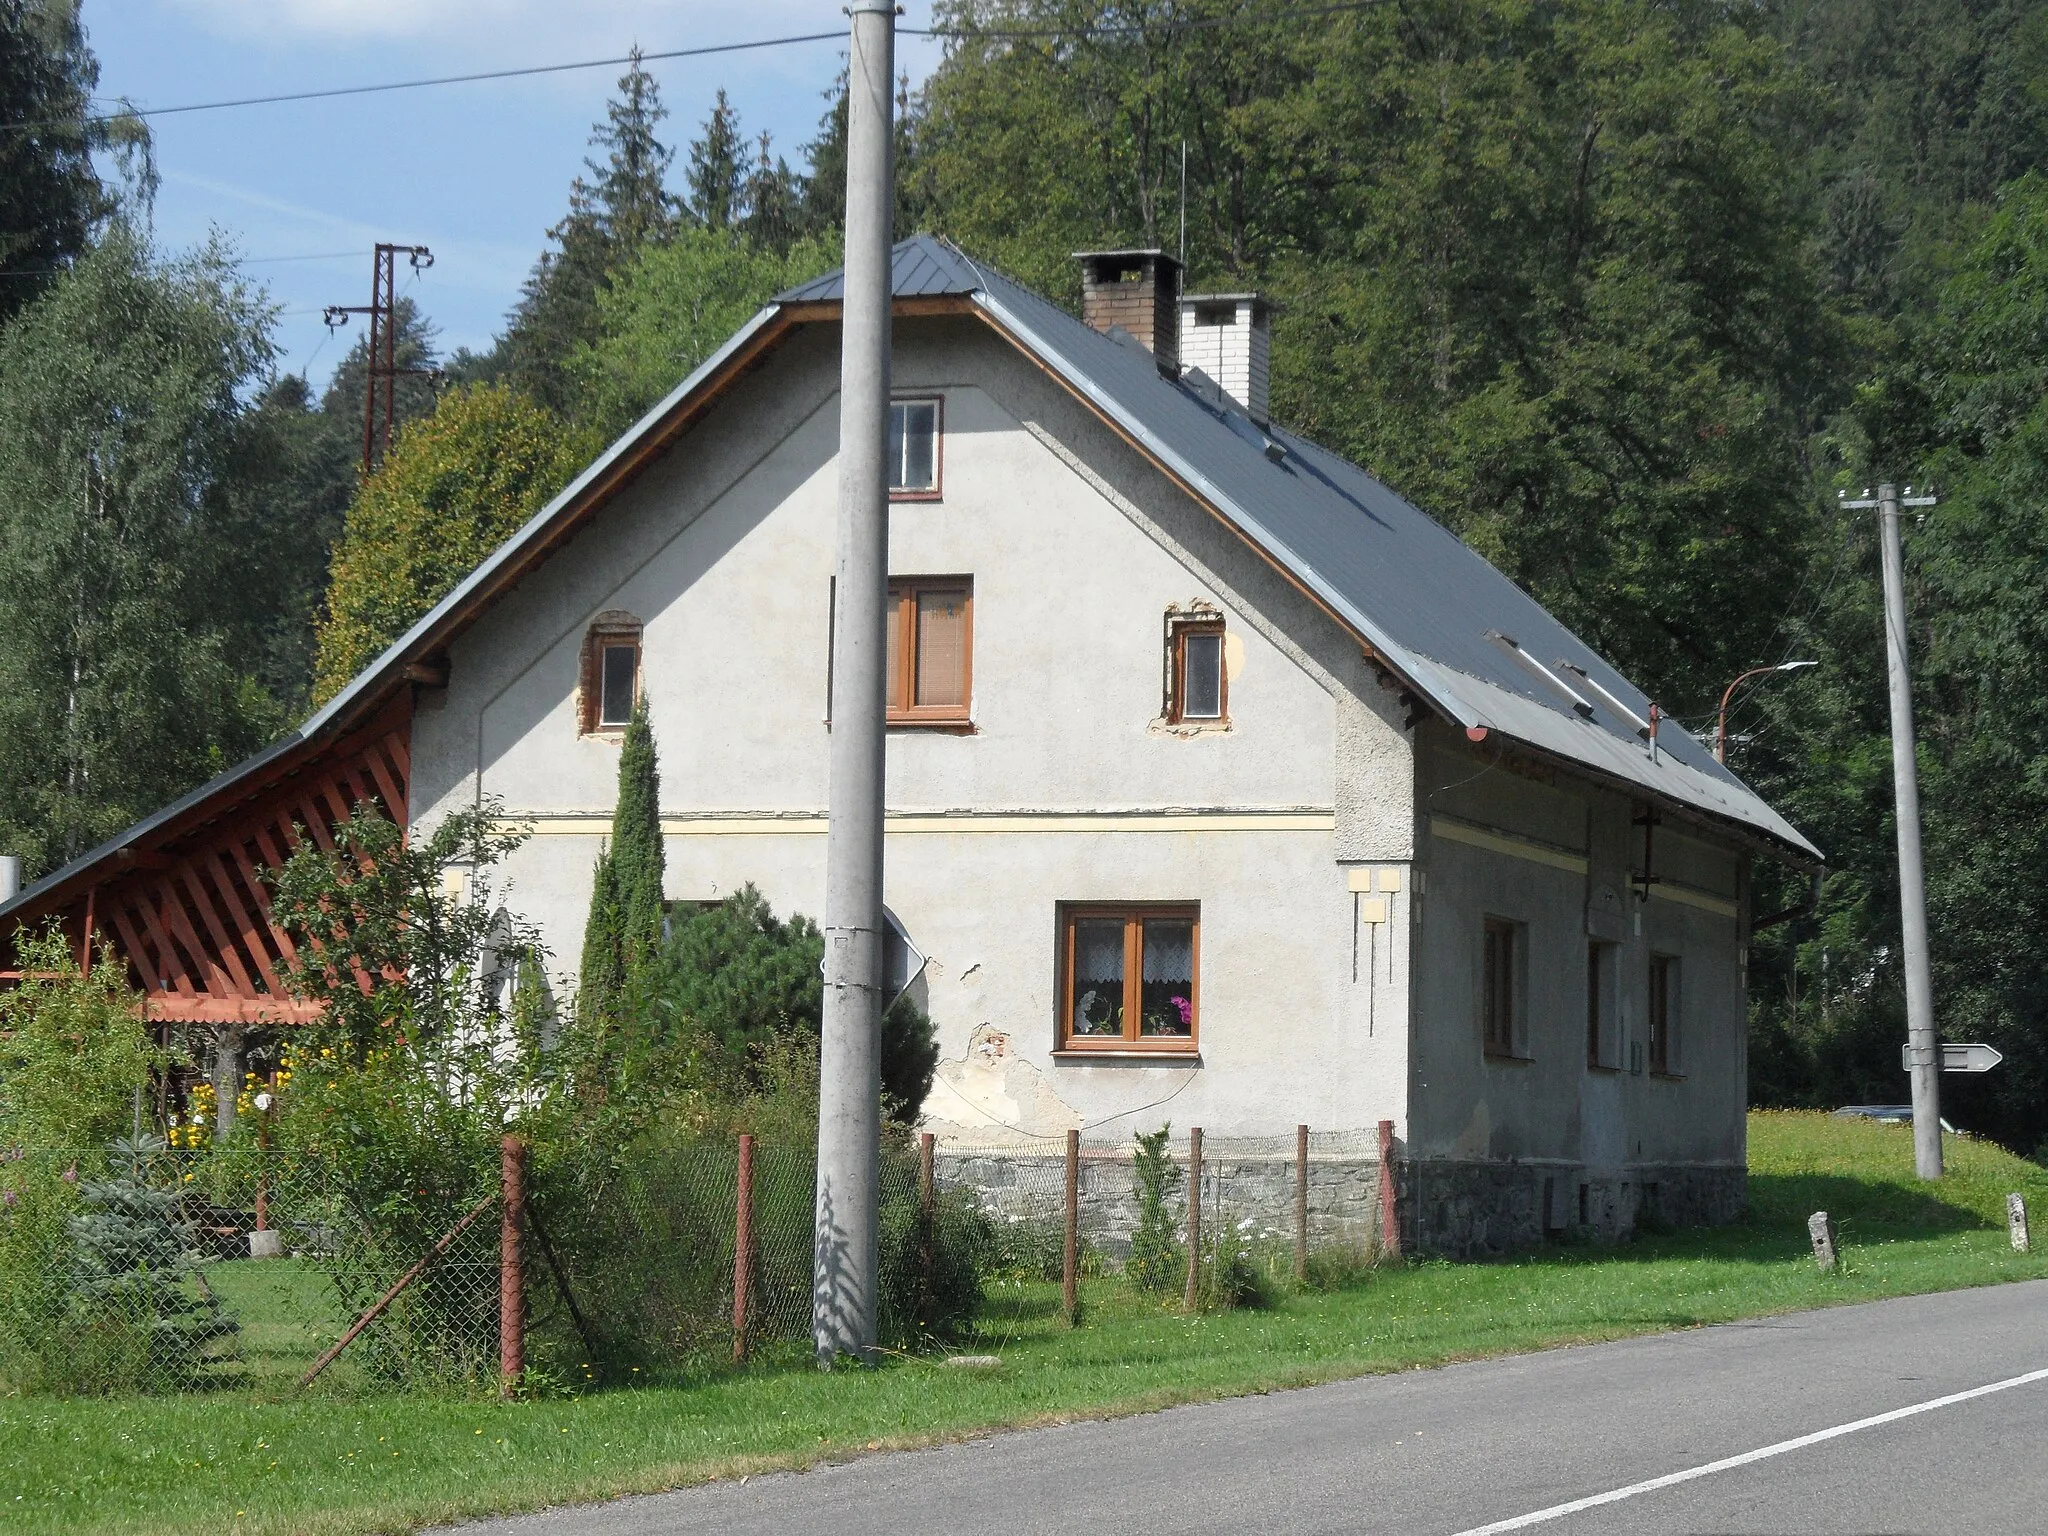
[(1185, 1009)]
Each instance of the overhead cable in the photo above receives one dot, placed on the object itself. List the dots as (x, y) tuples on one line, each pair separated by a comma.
[(963, 34)]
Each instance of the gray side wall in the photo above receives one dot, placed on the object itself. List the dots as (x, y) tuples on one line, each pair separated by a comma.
[(1616, 1128)]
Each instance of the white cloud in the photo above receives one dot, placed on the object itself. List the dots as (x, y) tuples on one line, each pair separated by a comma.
[(533, 29)]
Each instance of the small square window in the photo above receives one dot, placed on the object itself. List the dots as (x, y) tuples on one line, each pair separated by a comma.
[(914, 449)]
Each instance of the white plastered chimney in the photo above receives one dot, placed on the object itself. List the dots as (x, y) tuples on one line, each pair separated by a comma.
[(1229, 338)]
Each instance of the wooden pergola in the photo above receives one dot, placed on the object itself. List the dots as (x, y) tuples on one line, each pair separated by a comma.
[(184, 901)]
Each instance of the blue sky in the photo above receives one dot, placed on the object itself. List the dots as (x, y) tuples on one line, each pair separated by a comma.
[(477, 172)]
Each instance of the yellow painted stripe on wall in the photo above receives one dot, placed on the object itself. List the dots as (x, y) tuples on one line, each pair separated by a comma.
[(1506, 842), (1689, 896)]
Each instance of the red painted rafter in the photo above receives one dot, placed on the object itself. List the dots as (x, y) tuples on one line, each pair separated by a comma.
[(194, 918)]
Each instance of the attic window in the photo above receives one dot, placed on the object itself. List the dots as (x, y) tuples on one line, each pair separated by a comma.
[(1197, 672), (914, 450), (611, 674)]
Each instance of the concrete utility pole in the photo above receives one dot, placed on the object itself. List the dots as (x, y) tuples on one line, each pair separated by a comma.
[(1923, 1047), (845, 1280)]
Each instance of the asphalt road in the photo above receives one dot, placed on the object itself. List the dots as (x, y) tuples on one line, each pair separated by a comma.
[(1496, 1446)]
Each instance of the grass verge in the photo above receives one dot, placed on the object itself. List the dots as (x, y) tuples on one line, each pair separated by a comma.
[(343, 1465)]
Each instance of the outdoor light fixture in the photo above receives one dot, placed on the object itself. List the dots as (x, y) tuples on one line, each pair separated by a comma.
[(1721, 727)]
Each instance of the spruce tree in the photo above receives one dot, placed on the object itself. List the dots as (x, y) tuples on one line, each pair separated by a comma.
[(718, 170), (624, 209), (132, 1251)]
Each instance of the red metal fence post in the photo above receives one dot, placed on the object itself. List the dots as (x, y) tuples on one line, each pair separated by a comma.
[(1390, 1216), (1191, 1300), (511, 1267), (742, 1249), (1070, 1264), (1300, 1203)]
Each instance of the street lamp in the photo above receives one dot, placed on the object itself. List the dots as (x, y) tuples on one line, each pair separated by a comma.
[(1721, 728)]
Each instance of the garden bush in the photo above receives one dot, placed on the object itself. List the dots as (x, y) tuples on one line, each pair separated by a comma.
[(1156, 1262), (100, 1286)]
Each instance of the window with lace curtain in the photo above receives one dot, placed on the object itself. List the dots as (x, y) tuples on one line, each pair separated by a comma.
[(1129, 978)]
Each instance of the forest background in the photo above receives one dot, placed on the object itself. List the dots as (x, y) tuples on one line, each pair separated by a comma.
[(1623, 292)]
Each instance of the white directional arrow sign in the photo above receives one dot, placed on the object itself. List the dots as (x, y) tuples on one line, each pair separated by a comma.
[(1958, 1058)]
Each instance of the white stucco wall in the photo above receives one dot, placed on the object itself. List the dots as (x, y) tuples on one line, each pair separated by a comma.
[(1066, 790)]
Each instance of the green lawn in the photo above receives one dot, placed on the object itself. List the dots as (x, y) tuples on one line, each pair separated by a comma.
[(344, 1462)]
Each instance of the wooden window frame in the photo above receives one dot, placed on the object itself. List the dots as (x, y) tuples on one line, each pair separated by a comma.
[(1661, 1015), (1497, 933), (901, 708), (1603, 1021), (1179, 626), (607, 631), (1130, 1043), (936, 490)]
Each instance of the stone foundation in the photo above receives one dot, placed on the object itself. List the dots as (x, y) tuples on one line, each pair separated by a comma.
[(1252, 1193), (1472, 1209), (1451, 1208)]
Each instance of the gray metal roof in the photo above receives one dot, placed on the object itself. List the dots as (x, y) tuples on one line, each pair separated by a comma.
[(1419, 595), (1423, 599), (919, 268)]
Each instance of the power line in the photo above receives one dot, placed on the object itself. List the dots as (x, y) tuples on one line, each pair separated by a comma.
[(240, 261), (963, 34), (413, 85)]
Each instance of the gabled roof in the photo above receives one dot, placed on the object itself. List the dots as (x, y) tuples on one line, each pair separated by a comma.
[(1426, 602), (1429, 606)]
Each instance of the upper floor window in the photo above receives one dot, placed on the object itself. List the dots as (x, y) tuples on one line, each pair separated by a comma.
[(914, 450), (1128, 977), (931, 650), (1197, 676), (611, 673)]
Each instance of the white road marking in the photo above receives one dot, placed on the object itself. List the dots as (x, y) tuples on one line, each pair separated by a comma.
[(1763, 1453)]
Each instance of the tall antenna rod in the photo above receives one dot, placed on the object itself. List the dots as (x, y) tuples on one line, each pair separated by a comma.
[(1183, 205)]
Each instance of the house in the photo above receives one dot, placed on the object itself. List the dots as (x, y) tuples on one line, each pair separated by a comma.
[(1219, 776)]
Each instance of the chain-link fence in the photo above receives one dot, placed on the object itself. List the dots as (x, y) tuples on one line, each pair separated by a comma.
[(1311, 1206), (147, 1269)]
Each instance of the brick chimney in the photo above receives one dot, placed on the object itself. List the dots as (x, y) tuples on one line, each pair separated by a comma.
[(1229, 337), (1138, 291)]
